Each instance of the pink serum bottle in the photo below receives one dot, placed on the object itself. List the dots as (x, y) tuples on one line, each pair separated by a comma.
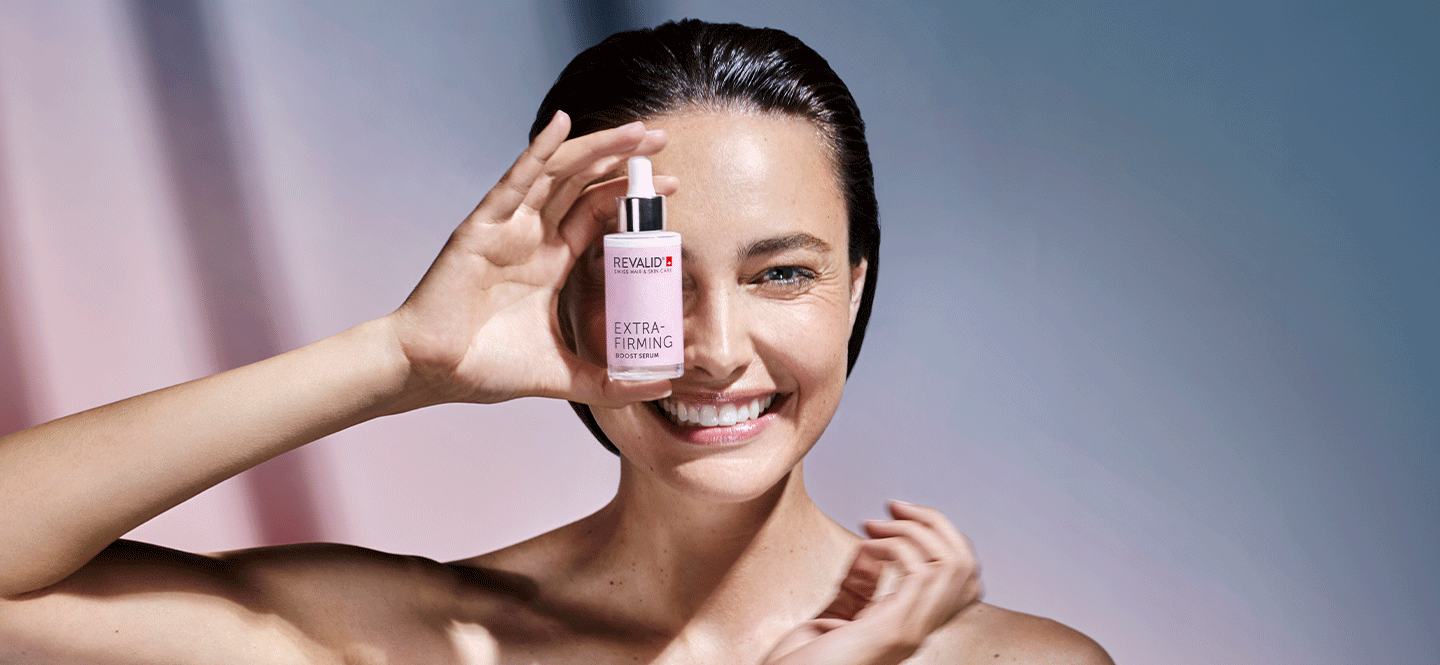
[(644, 316)]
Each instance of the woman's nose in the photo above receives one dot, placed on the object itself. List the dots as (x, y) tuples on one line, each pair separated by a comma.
[(717, 341)]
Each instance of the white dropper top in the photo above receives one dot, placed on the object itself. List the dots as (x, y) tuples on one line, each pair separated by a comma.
[(642, 183)]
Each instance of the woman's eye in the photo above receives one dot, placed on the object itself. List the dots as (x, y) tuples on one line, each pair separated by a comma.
[(790, 275)]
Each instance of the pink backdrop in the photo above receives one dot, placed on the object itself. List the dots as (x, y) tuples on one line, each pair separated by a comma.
[(1154, 321)]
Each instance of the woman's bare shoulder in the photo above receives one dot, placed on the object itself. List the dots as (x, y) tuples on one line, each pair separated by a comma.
[(550, 556), (424, 610), (346, 575), (311, 603), (988, 634)]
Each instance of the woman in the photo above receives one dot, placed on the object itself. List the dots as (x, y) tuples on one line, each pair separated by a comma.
[(711, 550)]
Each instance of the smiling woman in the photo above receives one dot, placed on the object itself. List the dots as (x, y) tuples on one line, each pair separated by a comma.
[(711, 550), (760, 222)]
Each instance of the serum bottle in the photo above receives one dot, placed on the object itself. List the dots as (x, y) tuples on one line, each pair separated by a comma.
[(644, 317)]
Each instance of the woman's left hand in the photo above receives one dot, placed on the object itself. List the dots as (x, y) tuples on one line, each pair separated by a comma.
[(938, 576)]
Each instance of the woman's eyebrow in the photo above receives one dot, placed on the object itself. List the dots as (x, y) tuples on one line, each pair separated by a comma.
[(785, 243)]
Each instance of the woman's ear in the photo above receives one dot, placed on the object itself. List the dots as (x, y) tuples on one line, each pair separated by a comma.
[(857, 289)]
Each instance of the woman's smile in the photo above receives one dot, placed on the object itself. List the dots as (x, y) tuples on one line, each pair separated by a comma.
[(719, 419), (721, 410)]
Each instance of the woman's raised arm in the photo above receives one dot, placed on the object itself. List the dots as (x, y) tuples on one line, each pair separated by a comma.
[(480, 327)]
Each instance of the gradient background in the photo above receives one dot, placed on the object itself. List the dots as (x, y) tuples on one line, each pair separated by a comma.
[(1155, 326)]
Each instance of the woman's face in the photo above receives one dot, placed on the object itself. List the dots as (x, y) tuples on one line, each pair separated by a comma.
[(769, 298)]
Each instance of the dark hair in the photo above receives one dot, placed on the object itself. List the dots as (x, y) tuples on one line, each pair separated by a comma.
[(692, 65)]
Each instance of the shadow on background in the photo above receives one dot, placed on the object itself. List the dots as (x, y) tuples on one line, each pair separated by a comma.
[(16, 409), (219, 225)]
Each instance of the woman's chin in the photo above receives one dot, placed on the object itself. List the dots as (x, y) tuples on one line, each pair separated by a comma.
[(734, 473), (722, 480)]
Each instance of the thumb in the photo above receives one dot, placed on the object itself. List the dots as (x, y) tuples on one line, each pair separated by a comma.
[(591, 384)]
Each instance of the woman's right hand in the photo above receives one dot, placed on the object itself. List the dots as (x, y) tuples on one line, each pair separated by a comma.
[(482, 324), (937, 578)]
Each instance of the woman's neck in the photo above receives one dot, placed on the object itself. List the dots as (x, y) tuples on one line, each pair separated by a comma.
[(696, 566)]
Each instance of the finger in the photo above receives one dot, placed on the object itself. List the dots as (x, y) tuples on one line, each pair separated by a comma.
[(952, 577), (862, 581), (826, 625), (932, 545), (914, 575), (941, 599), (569, 187), (950, 594), (502, 201), (964, 567), (937, 521), (615, 392), (948, 584), (899, 551), (578, 154), (594, 213), (859, 585), (591, 384)]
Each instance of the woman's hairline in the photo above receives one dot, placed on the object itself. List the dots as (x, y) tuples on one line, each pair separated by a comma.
[(825, 133)]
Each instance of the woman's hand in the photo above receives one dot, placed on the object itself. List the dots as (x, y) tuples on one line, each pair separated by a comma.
[(481, 326), (937, 577)]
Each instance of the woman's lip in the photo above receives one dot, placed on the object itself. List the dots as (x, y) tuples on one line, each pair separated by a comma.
[(718, 435), (720, 398)]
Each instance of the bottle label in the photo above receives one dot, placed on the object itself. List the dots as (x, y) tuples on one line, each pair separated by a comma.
[(644, 319)]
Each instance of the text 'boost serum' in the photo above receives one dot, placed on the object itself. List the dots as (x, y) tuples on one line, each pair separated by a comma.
[(644, 316)]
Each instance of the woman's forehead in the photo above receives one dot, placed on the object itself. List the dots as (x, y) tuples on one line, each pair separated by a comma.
[(744, 139), (750, 174)]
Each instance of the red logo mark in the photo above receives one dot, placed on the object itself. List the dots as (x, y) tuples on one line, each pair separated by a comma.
[(667, 262)]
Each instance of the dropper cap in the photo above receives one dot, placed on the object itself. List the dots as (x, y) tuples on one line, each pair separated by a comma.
[(641, 209), (642, 178)]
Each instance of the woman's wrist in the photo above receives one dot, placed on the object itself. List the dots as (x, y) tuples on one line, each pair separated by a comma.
[(390, 383), (413, 368)]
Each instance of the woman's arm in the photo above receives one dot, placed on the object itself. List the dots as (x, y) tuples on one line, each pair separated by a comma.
[(72, 486), (480, 327)]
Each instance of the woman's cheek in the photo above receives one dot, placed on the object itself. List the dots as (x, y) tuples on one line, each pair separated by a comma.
[(815, 326), (802, 340)]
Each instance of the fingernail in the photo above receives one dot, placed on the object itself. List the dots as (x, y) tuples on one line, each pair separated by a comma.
[(654, 133), (628, 125), (901, 502)]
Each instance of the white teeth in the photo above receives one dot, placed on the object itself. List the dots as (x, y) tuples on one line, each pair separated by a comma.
[(727, 415), (710, 415)]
